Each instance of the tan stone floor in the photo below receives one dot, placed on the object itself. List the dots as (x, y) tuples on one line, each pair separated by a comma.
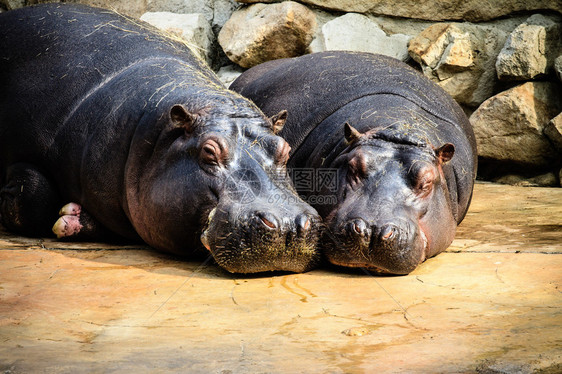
[(491, 304)]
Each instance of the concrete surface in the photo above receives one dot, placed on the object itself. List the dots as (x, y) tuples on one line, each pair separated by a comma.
[(491, 304)]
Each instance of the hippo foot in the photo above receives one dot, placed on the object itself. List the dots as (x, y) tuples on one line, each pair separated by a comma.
[(70, 209), (69, 222)]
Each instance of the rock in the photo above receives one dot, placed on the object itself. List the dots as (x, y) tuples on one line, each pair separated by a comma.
[(217, 12), (530, 49), (356, 32), (204, 7), (542, 180), (12, 4), (545, 180), (460, 58), (222, 10), (558, 67), (510, 125), (260, 33), (443, 10), (193, 28), (553, 130), (227, 74)]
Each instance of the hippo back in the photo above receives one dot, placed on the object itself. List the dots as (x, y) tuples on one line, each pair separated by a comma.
[(81, 65), (71, 57)]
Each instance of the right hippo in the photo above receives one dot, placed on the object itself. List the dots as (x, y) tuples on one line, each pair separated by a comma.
[(402, 152)]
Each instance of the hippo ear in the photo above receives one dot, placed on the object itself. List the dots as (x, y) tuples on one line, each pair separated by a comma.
[(181, 117), (278, 121), (351, 134), (445, 153)]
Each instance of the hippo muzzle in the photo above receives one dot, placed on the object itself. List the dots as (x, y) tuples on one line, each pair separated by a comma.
[(246, 239), (395, 247)]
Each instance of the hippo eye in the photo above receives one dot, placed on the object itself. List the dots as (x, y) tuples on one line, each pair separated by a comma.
[(425, 183), (357, 169), (282, 153), (211, 152)]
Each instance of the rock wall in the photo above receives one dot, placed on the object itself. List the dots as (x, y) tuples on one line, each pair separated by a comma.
[(501, 60)]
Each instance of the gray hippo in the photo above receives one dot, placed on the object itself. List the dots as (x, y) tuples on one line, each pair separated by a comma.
[(401, 152), (143, 141)]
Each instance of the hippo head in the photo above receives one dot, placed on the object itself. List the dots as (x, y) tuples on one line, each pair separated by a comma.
[(394, 209), (216, 178)]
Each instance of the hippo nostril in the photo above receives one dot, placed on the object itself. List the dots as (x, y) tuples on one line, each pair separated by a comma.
[(303, 223), (268, 220), (358, 227), (388, 232)]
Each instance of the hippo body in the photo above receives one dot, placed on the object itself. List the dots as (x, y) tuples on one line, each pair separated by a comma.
[(391, 135), (127, 125)]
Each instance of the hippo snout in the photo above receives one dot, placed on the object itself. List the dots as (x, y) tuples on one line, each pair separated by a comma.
[(392, 236), (303, 224), (373, 235), (263, 239), (268, 221), (396, 247)]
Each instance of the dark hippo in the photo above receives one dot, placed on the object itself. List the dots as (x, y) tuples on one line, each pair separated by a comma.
[(390, 136), (109, 114)]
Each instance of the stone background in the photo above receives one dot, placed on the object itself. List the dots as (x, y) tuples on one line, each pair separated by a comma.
[(501, 60)]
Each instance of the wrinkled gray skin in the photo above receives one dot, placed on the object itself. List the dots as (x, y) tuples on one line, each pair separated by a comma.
[(404, 152), (106, 113)]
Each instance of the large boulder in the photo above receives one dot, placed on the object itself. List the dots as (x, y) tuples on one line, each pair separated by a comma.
[(510, 126), (460, 58), (443, 10), (356, 32), (193, 28), (261, 32), (530, 49)]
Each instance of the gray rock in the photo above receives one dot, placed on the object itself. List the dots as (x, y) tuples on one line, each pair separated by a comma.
[(193, 28), (443, 10), (12, 4), (204, 7), (356, 32), (510, 125), (222, 10), (228, 74), (460, 58), (217, 12), (260, 33), (530, 49), (553, 130)]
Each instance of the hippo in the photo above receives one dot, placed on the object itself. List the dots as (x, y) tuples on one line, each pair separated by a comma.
[(136, 138), (401, 153)]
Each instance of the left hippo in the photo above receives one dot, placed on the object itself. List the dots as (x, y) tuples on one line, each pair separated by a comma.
[(144, 142)]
